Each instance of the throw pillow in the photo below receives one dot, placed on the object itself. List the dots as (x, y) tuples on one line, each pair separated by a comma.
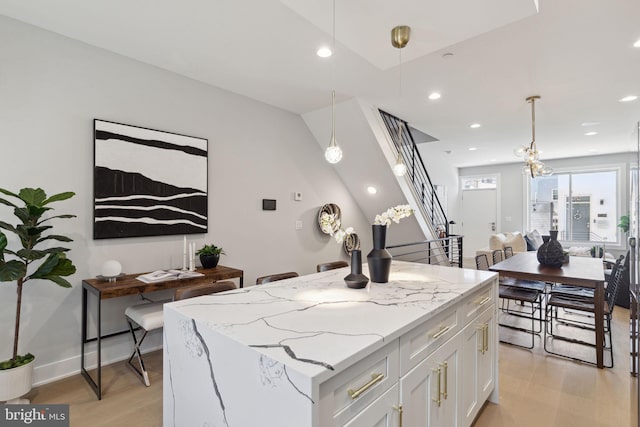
[(517, 243), (536, 239), (530, 246), (496, 241)]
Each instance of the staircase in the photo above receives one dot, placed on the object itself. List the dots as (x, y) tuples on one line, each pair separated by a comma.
[(444, 248)]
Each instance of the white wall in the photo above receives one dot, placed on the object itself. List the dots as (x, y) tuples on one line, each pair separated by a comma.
[(51, 89)]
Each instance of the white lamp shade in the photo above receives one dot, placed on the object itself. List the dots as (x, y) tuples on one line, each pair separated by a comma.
[(333, 154), (111, 268)]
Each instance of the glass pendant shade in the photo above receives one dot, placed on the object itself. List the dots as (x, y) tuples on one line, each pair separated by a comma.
[(333, 153), (399, 169)]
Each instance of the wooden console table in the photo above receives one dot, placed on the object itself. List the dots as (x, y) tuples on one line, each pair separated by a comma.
[(129, 285)]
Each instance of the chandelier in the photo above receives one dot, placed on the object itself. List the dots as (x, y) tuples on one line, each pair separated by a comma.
[(532, 163)]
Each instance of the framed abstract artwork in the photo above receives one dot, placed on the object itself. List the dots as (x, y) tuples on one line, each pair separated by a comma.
[(148, 182)]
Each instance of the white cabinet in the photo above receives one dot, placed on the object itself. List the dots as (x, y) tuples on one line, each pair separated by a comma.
[(383, 412), (429, 392), (478, 364)]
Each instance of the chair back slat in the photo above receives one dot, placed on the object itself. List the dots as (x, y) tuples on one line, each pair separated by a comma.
[(275, 277), (482, 263), (497, 256), (326, 266)]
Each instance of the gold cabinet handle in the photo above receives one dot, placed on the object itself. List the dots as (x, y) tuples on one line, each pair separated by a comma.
[(375, 378), (480, 328), (443, 330), (445, 365), (484, 300), (485, 337), (399, 409), (437, 400)]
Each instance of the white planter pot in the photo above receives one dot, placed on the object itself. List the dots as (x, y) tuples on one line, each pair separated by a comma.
[(16, 382)]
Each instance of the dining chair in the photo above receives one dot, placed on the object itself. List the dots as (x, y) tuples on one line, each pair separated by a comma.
[(508, 252), (577, 305), (507, 292), (326, 266), (497, 256), (148, 316), (275, 277)]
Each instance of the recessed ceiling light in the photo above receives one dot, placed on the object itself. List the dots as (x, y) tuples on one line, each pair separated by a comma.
[(593, 150), (447, 55), (590, 124), (475, 125), (629, 98), (372, 190), (434, 95), (493, 160), (590, 133), (324, 52), (473, 148), (637, 43)]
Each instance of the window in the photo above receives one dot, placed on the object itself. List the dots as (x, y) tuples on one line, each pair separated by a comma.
[(479, 183), (583, 206)]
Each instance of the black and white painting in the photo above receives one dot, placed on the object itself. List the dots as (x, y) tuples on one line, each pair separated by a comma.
[(148, 182)]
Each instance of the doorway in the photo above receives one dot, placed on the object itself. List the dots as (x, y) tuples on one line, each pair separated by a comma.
[(479, 218)]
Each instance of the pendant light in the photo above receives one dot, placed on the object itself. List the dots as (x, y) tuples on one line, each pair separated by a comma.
[(400, 169), (532, 163), (399, 39), (333, 153)]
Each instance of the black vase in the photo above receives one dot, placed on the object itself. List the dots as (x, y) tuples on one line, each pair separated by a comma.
[(356, 279), (379, 259), (209, 261), (551, 252)]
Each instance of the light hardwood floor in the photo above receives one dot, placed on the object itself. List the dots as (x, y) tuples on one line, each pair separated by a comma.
[(535, 390)]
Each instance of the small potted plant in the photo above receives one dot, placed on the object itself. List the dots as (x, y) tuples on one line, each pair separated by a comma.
[(209, 255), (30, 261), (624, 224)]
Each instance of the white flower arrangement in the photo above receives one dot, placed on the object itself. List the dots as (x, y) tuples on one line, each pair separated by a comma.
[(394, 214), (331, 225)]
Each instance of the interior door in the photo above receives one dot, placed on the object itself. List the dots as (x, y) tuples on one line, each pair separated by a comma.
[(479, 219)]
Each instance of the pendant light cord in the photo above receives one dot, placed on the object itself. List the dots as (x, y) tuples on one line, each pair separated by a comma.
[(533, 123)]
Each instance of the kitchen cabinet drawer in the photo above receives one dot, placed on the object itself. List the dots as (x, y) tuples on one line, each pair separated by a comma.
[(476, 303), (349, 392), (416, 345)]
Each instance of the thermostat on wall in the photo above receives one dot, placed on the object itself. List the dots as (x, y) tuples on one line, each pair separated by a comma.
[(268, 204)]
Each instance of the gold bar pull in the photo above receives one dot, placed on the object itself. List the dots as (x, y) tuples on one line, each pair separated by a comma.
[(445, 366), (399, 409), (443, 330), (437, 400), (486, 337), (484, 300), (481, 328), (375, 378)]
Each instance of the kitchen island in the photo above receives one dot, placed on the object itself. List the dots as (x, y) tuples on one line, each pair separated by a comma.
[(308, 351)]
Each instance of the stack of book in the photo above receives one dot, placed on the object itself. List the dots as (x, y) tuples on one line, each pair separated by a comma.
[(164, 275)]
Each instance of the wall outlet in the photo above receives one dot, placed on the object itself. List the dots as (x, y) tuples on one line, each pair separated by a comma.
[(298, 225), (297, 196)]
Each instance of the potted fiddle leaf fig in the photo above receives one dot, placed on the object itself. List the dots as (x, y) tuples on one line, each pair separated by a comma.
[(209, 255), (32, 259)]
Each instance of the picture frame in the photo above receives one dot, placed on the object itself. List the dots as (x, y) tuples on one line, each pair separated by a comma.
[(148, 182)]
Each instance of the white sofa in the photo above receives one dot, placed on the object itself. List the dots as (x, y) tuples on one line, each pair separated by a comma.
[(501, 240)]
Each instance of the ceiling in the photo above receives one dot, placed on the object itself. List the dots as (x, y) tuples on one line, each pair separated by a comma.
[(578, 55)]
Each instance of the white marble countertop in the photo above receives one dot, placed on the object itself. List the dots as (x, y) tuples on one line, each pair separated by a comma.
[(317, 326)]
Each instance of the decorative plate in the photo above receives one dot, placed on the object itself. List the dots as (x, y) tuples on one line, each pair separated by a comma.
[(351, 242), (331, 209)]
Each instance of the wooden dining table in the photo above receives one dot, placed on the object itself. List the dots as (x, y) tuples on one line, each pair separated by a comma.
[(579, 271)]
